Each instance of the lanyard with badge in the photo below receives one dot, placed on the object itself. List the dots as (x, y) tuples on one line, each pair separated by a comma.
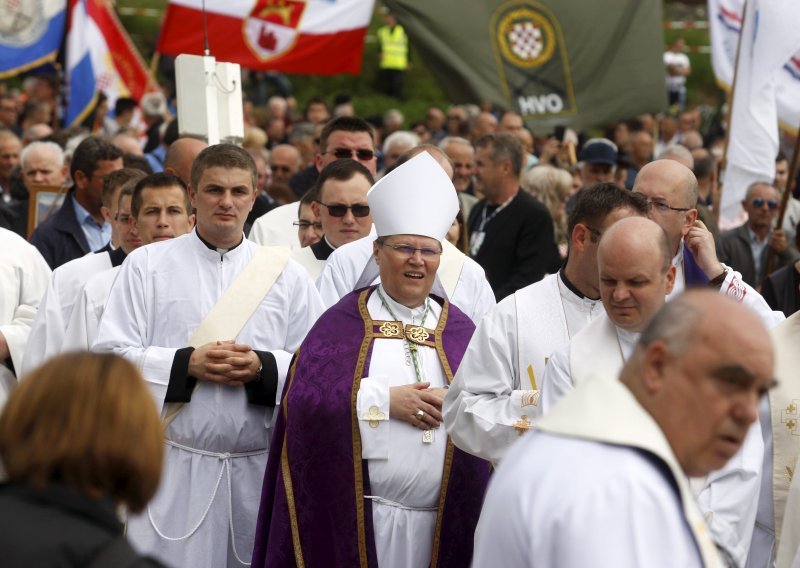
[(477, 236)]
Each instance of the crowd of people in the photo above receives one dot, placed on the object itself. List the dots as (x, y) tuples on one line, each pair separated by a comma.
[(450, 342)]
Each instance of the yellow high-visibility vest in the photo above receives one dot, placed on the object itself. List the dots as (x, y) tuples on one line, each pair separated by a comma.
[(394, 47)]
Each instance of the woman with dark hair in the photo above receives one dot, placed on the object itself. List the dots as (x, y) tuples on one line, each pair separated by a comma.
[(80, 437)]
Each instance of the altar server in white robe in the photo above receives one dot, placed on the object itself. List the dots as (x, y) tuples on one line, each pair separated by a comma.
[(154, 208), (340, 203), (494, 396), (635, 277), (211, 320), (459, 278), (602, 480), (23, 279), (66, 283)]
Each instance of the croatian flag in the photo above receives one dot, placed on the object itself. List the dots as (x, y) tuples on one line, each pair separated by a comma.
[(30, 34), (100, 57), (323, 37)]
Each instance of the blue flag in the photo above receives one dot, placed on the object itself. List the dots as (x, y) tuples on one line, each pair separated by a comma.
[(30, 34)]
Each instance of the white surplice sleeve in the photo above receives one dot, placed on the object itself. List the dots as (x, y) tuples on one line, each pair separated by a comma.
[(734, 287), (557, 379), (23, 284), (484, 402), (729, 497), (126, 328)]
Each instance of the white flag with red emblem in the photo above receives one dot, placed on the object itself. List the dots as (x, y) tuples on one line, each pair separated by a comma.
[(323, 37)]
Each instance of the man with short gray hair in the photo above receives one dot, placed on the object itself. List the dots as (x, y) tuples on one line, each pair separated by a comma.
[(511, 232)]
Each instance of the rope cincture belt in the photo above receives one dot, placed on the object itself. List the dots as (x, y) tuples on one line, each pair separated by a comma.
[(396, 505), (225, 458)]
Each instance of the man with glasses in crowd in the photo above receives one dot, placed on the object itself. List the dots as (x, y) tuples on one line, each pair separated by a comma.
[(746, 247), (343, 137), (309, 228)]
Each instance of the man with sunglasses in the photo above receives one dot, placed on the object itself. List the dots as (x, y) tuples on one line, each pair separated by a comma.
[(339, 201), (746, 247), (343, 137)]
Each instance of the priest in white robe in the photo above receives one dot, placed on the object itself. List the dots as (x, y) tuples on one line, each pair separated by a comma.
[(359, 428), (211, 319), (603, 479), (494, 396), (671, 190), (66, 283), (23, 279), (635, 278), (157, 208)]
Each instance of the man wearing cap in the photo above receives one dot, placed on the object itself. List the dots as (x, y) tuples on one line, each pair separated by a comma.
[(360, 472), (598, 160), (458, 278), (340, 203), (495, 393)]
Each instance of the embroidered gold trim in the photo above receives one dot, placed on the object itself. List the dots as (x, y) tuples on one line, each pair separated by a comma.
[(416, 333), (530, 398), (523, 425), (287, 474), (392, 329), (358, 464), (374, 416)]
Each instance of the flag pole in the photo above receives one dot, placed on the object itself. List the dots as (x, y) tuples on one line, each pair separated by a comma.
[(729, 113), (787, 193)]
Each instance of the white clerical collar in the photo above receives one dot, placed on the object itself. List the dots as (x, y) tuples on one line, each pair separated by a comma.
[(572, 295), (219, 251), (330, 244), (406, 314)]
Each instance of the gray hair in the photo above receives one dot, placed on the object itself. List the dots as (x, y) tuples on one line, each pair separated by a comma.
[(400, 138), (49, 147), (674, 324)]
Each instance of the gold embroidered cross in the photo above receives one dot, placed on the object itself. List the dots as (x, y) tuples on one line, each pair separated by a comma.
[(792, 408), (790, 424), (374, 416), (522, 425), (416, 333)]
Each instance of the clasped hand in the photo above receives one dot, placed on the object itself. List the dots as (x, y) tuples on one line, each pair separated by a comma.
[(224, 362), (407, 400)]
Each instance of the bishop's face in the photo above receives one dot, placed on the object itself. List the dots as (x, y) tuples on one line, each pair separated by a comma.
[(223, 198), (408, 265)]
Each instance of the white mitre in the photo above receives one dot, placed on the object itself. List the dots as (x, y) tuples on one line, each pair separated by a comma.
[(415, 198)]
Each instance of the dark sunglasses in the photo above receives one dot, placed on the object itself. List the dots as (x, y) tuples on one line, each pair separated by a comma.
[(343, 153), (760, 201), (338, 210)]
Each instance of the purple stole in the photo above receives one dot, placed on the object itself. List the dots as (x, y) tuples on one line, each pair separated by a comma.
[(692, 274), (313, 511)]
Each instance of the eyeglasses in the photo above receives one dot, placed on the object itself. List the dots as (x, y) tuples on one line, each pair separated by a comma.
[(362, 154), (409, 251), (305, 225), (338, 210), (759, 202), (662, 207), (279, 168)]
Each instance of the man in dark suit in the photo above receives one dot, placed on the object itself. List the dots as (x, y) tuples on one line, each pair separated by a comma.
[(511, 233), (78, 227)]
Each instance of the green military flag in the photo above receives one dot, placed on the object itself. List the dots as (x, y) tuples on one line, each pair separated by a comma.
[(576, 63)]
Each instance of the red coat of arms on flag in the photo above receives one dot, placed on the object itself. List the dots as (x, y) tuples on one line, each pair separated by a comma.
[(271, 27)]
